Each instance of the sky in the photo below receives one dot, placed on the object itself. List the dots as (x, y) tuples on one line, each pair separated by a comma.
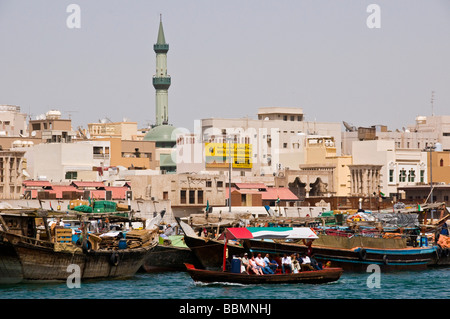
[(228, 58)]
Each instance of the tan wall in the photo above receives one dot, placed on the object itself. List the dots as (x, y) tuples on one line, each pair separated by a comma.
[(169, 187), (441, 174), (119, 146)]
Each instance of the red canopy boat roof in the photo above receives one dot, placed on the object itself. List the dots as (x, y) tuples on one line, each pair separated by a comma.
[(237, 233)]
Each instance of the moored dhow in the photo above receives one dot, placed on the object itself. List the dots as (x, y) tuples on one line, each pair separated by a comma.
[(27, 254)]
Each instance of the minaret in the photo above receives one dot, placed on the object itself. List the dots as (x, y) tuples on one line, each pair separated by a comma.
[(161, 81)]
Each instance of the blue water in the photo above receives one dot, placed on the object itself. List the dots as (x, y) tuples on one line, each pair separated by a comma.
[(426, 284)]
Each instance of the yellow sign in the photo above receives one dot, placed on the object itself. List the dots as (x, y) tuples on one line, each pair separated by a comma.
[(217, 155)]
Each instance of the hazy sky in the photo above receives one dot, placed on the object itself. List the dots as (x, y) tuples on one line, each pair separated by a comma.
[(227, 59)]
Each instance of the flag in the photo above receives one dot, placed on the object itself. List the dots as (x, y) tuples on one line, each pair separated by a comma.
[(382, 194), (207, 205), (419, 208), (278, 199)]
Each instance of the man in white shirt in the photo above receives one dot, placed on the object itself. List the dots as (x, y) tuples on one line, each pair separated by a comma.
[(286, 263), (306, 263)]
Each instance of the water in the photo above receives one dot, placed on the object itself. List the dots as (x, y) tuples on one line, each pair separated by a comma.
[(427, 284)]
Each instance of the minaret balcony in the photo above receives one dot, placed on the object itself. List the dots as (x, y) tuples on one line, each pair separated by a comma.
[(161, 48), (161, 83)]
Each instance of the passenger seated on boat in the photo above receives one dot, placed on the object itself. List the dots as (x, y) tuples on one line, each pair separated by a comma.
[(245, 264), (295, 265), (316, 265), (254, 267), (262, 264), (286, 263), (273, 265), (306, 263)]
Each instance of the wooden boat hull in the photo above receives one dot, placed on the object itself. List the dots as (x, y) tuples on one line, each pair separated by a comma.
[(168, 258), (309, 277), (31, 262), (356, 259), (210, 252)]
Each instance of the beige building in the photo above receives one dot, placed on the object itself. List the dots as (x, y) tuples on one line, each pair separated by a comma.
[(187, 193), (323, 174), (107, 129), (51, 128), (11, 174)]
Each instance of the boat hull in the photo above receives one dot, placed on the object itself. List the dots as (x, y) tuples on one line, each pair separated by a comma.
[(355, 259), (168, 258), (29, 262), (210, 252), (309, 277)]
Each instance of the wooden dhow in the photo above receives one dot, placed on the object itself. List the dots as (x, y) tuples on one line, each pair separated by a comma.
[(28, 254)]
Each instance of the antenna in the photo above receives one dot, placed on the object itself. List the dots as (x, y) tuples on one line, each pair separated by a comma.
[(432, 103)]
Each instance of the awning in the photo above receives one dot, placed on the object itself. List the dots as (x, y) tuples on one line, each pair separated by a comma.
[(237, 233), (270, 233), (282, 233)]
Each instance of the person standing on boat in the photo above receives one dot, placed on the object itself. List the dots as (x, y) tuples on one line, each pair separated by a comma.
[(286, 263)]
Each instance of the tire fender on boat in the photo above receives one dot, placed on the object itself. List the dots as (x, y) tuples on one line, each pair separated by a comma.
[(385, 259), (362, 254), (114, 259)]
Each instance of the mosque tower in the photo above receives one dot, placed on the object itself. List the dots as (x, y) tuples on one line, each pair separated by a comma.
[(161, 81)]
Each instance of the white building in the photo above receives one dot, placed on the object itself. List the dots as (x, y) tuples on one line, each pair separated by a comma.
[(12, 121), (400, 166), (60, 162), (277, 136), (427, 131)]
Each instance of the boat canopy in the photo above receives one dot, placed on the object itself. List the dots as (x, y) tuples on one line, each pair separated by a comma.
[(270, 233)]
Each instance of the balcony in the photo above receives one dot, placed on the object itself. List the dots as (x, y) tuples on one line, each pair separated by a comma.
[(161, 83), (161, 48)]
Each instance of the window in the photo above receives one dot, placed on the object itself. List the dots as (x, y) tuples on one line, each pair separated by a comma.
[(411, 175), (199, 197), (208, 184), (441, 162), (422, 176), (402, 176), (285, 118), (71, 175), (219, 184), (165, 195), (191, 197), (182, 197), (391, 176), (284, 145), (292, 118)]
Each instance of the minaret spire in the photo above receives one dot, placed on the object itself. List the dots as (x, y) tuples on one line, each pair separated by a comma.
[(161, 81)]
